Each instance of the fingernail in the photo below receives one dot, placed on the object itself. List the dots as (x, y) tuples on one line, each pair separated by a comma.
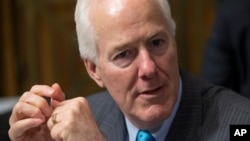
[(51, 91)]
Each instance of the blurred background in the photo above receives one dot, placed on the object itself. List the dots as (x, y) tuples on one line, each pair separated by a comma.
[(39, 45)]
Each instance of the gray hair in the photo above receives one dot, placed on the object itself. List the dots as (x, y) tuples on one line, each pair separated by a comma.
[(85, 31)]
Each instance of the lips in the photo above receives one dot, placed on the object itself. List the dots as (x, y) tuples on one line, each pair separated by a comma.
[(153, 91)]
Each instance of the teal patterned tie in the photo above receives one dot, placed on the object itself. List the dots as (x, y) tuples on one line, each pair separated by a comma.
[(144, 135)]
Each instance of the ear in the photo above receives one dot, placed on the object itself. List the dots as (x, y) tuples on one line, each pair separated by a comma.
[(93, 72)]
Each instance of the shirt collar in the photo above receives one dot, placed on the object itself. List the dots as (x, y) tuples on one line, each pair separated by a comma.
[(163, 131)]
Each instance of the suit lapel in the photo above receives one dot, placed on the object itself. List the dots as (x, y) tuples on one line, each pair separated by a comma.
[(113, 126), (108, 116), (187, 123)]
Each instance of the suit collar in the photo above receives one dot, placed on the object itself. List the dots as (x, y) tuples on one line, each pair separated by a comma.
[(113, 126)]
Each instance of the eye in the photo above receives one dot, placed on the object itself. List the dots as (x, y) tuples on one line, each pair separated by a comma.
[(157, 42), (123, 54), (124, 58), (157, 46)]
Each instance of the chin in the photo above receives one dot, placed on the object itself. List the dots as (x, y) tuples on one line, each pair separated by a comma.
[(153, 116)]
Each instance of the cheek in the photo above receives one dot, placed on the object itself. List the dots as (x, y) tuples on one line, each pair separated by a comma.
[(119, 83), (169, 63)]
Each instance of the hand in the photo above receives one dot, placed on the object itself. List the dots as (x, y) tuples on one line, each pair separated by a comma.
[(30, 114), (72, 120)]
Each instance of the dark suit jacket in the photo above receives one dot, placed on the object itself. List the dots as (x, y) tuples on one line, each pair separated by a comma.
[(227, 55), (204, 114), (4, 126)]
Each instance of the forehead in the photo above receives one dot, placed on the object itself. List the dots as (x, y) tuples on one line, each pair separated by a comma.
[(108, 13), (114, 6)]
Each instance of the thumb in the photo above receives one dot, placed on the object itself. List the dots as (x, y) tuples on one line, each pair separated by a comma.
[(58, 96)]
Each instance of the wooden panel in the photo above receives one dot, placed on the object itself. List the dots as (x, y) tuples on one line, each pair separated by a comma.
[(7, 52), (194, 19), (47, 47)]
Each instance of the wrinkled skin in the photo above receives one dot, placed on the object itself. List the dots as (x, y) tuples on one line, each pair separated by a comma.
[(31, 117)]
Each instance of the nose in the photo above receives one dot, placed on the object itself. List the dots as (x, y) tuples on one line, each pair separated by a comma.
[(147, 67)]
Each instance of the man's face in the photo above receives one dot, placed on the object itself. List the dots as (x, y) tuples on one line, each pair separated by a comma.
[(137, 60)]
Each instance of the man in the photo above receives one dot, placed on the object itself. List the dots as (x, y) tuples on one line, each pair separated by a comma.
[(128, 47), (227, 59)]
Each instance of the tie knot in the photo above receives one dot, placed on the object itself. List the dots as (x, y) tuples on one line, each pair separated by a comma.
[(144, 135)]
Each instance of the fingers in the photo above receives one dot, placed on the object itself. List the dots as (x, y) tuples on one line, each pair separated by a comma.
[(54, 123), (24, 110), (73, 120), (67, 118), (18, 129), (36, 101), (33, 110), (42, 90), (32, 104), (58, 96)]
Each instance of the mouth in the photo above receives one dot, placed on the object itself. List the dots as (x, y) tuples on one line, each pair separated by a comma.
[(153, 92)]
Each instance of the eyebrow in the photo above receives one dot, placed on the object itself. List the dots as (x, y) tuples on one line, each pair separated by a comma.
[(118, 48), (126, 45), (158, 32)]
